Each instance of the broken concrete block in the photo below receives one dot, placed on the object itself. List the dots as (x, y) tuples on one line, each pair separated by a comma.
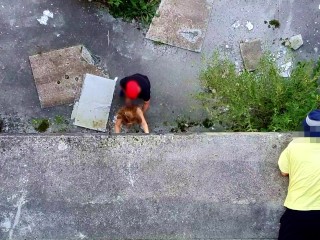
[(181, 23), (92, 109), (251, 53), (58, 74), (294, 42)]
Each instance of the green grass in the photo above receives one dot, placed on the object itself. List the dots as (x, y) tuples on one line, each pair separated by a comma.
[(261, 100), (59, 119), (275, 23), (141, 10), (41, 124), (60, 124)]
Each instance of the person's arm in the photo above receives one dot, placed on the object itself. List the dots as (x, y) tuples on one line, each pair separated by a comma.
[(117, 126), (284, 163), (146, 106), (144, 123)]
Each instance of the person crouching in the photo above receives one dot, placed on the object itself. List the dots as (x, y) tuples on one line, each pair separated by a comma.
[(128, 116)]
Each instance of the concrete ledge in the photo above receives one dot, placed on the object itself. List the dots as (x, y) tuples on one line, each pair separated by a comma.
[(208, 186)]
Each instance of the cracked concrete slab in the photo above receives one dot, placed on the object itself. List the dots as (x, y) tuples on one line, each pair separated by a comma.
[(251, 53), (181, 23), (59, 74)]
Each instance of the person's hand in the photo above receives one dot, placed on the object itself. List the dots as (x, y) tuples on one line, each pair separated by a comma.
[(144, 124), (146, 106)]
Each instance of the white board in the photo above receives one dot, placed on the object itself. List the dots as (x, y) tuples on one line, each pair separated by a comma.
[(93, 107)]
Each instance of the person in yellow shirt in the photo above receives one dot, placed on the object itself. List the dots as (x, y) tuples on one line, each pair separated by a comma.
[(301, 162)]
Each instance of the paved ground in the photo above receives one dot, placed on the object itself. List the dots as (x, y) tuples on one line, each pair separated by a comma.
[(198, 186), (173, 72)]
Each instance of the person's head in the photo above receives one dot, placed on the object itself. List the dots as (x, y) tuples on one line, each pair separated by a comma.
[(129, 116), (132, 89), (311, 124)]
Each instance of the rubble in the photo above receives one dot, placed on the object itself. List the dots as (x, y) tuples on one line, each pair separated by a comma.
[(285, 69), (43, 20), (294, 42), (249, 25)]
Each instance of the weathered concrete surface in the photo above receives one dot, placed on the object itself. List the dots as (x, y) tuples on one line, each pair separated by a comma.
[(181, 23), (251, 53), (210, 186), (173, 72), (59, 74)]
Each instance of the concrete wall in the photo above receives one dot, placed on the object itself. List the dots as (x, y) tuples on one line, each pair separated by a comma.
[(217, 186)]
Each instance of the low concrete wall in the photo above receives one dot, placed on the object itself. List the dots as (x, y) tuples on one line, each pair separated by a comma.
[(217, 186)]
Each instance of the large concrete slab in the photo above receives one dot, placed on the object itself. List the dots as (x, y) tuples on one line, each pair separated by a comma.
[(181, 23), (58, 74), (92, 109), (218, 186)]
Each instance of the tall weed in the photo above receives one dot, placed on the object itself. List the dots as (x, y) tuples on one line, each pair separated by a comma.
[(140, 10), (261, 100)]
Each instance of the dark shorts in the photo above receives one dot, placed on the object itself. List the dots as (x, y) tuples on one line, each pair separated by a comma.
[(300, 225)]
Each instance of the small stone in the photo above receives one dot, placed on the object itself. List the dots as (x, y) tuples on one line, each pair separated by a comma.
[(295, 42), (249, 25)]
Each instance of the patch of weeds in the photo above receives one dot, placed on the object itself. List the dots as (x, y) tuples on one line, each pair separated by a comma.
[(207, 123), (59, 119), (261, 100), (140, 10), (41, 125), (60, 123), (183, 125), (274, 23), (317, 67)]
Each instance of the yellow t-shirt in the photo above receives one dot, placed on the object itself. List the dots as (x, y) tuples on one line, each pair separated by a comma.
[(301, 160)]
